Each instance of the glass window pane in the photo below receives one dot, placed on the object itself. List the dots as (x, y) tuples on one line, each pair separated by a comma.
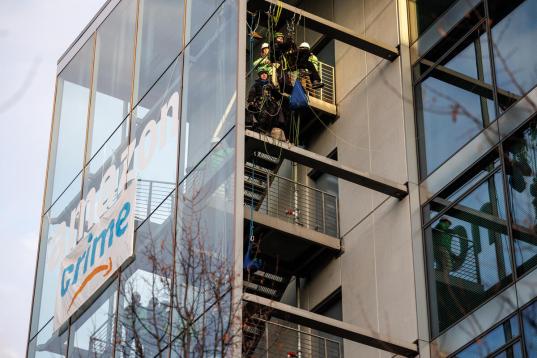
[(529, 321), (521, 168), (455, 100), (197, 14), (205, 221), (468, 254), (160, 25), (210, 78), (105, 176), (144, 299), (156, 134), (513, 37), (112, 79), (70, 119), (494, 340), (57, 239), (425, 12), (48, 344), (92, 334)]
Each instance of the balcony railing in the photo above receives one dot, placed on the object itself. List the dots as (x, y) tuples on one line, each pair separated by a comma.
[(325, 94), (149, 195), (291, 201), (276, 340)]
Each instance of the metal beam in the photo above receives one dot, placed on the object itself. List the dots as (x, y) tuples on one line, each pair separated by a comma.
[(296, 231), (259, 142), (333, 326), (328, 28)]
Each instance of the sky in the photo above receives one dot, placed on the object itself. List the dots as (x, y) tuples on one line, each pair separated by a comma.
[(33, 35)]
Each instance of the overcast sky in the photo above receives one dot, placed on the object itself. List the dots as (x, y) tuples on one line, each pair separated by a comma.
[(33, 35)]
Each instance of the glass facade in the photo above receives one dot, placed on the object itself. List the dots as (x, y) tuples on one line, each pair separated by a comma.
[(470, 66), (126, 105)]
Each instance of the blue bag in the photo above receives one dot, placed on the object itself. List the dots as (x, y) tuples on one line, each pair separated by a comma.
[(298, 97)]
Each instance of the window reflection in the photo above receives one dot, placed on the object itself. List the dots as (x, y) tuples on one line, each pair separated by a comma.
[(209, 97), (58, 236), (159, 40), (145, 293), (204, 254), (521, 169), (112, 79), (156, 134), (455, 100), (198, 13), (494, 340), (468, 253), (92, 334), (48, 344), (529, 319), (513, 38), (70, 118)]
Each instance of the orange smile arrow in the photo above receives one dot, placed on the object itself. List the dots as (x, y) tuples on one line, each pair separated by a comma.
[(106, 268)]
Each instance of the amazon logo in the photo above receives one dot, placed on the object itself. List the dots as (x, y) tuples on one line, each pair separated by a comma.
[(89, 264)]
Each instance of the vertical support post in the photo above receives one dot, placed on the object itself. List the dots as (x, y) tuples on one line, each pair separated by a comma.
[(323, 212), (325, 348), (267, 338), (268, 191)]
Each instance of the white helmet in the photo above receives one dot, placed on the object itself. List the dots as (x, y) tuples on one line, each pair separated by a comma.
[(305, 45), (264, 45)]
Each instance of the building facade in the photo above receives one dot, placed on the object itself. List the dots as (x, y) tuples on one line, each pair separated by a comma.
[(398, 217)]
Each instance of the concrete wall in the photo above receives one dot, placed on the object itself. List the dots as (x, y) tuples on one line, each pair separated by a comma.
[(376, 270)]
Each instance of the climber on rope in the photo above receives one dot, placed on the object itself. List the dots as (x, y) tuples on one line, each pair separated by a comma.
[(283, 47), (264, 110), (264, 62), (306, 60)]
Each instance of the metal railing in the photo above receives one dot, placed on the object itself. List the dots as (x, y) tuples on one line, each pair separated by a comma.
[(280, 340), (325, 94), (149, 195), (461, 259), (291, 201)]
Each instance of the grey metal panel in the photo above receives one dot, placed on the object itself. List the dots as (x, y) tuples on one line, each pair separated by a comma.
[(461, 161), (260, 142), (333, 326), (329, 28), (476, 323)]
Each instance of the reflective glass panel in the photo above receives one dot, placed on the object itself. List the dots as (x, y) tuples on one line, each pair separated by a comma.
[(92, 334), (48, 344), (529, 321), (160, 24), (425, 12), (493, 341), (210, 79), (468, 254), (112, 79), (106, 175), (197, 14), (70, 119), (155, 133), (514, 30), (205, 222), (454, 101), (521, 169), (58, 235), (145, 293)]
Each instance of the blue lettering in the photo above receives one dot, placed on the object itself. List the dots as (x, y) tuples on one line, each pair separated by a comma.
[(78, 262), (65, 283), (123, 214), (102, 239)]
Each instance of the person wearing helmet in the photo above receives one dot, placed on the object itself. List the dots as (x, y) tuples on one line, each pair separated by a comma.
[(264, 110), (264, 62), (308, 61)]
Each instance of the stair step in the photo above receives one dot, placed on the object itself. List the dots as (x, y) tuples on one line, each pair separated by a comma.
[(264, 291)]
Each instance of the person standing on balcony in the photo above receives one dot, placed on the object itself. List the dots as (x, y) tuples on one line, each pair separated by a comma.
[(282, 48), (308, 61), (264, 111)]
